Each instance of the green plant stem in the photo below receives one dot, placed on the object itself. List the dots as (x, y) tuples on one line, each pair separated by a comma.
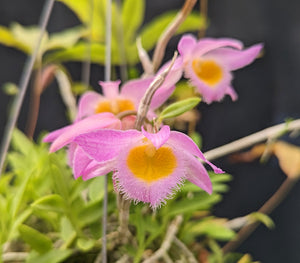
[(17, 103), (267, 208)]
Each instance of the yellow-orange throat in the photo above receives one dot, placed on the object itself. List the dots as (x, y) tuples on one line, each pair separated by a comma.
[(114, 106), (151, 164), (208, 71)]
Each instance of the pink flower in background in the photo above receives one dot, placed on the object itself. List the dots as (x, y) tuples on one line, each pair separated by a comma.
[(147, 167), (130, 95), (208, 64)]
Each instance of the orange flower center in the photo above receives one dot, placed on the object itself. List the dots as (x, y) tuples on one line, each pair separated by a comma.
[(151, 164), (114, 106), (208, 71)]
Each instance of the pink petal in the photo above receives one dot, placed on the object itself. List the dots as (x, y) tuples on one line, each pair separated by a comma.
[(235, 59), (180, 140), (92, 123), (206, 45), (197, 174), (71, 152), (53, 135), (231, 92), (135, 89), (95, 169), (159, 138), (155, 192), (87, 104), (110, 89), (104, 145), (80, 162), (186, 44)]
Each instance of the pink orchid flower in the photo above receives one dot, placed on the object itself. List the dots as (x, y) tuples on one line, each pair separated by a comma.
[(130, 95), (208, 64), (78, 159), (147, 167)]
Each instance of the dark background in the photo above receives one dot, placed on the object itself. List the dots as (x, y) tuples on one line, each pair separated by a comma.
[(268, 92)]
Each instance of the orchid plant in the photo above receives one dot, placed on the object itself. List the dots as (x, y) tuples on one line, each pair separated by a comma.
[(159, 194)]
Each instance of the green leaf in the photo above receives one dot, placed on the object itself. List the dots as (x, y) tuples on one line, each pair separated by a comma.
[(67, 230), (18, 221), (78, 53), (66, 38), (213, 228), (152, 31), (90, 213), (52, 256), (35, 239), (20, 142), (178, 108), (85, 244), (84, 11), (29, 37), (52, 202), (200, 202), (96, 189), (7, 38), (132, 18), (263, 218)]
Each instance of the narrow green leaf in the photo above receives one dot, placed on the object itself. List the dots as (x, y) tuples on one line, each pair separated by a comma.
[(200, 202), (85, 244), (66, 38), (84, 11), (132, 18), (263, 218), (35, 239), (20, 142), (67, 231), (29, 36), (19, 220), (212, 228), (90, 213), (96, 189), (79, 53), (179, 108), (7, 38), (52, 202), (52, 256)]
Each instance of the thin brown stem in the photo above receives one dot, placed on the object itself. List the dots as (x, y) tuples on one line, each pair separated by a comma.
[(189, 255), (123, 207), (43, 77), (160, 49), (203, 13), (147, 98), (267, 208), (252, 139), (169, 238)]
